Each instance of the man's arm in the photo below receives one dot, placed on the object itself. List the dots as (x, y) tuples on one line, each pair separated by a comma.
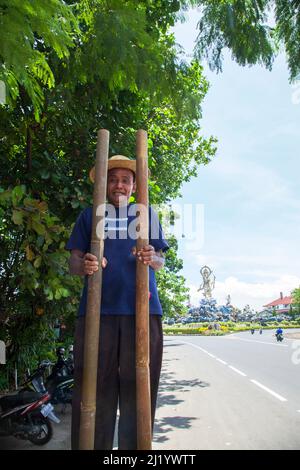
[(82, 264), (158, 261), (154, 259)]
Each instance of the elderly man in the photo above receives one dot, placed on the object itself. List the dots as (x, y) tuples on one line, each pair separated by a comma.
[(116, 364)]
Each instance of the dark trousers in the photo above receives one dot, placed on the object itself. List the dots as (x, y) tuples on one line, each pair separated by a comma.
[(116, 380)]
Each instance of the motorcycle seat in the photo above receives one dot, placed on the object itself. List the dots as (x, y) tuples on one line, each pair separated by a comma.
[(19, 398), (58, 380)]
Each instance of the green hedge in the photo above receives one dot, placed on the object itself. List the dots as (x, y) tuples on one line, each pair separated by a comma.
[(226, 328), (193, 331)]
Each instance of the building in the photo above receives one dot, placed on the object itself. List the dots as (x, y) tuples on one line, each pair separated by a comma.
[(281, 305)]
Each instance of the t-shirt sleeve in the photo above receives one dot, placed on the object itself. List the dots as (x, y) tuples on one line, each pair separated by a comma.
[(80, 238), (156, 235)]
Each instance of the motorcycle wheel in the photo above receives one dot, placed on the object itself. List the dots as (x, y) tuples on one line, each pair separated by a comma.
[(46, 430)]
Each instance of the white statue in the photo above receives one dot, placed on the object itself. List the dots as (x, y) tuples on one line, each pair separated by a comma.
[(208, 283)]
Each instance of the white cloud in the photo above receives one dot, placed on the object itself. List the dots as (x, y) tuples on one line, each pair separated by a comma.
[(256, 185), (256, 294)]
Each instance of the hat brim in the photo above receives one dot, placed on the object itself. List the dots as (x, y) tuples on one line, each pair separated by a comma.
[(126, 164)]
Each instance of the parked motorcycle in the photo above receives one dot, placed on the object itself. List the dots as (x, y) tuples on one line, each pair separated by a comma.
[(26, 415), (59, 383)]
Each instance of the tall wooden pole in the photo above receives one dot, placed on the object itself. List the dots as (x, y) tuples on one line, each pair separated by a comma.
[(144, 427), (92, 319)]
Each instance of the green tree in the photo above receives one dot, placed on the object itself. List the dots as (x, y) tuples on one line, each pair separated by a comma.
[(31, 29), (45, 158), (126, 39), (296, 301), (36, 290), (242, 26), (173, 293)]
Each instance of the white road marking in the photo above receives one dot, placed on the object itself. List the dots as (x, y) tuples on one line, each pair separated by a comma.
[(211, 355), (238, 371), (222, 362), (197, 347), (255, 341), (276, 395)]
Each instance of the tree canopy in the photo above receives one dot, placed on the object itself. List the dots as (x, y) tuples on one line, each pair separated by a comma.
[(253, 30), (30, 29), (296, 300)]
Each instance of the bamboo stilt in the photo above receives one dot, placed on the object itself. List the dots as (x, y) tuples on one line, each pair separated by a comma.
[(144, 426), (92, 320)]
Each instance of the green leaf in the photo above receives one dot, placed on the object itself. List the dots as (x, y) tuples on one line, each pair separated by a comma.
[(38, 227), (37, 262), (17, 194), (64, 292), (17, 217), (5, 195), (75, 204), (57, 294), (29, 253), (45, 174), (50, 295), (40, 241)]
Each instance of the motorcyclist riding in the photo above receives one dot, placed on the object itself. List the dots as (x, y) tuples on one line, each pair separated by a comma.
[(279, 334)]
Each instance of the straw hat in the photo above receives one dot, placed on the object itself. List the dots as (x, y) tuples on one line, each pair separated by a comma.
[(117, 161)]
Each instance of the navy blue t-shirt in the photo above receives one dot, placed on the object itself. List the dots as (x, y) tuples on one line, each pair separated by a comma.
[(119, 276)]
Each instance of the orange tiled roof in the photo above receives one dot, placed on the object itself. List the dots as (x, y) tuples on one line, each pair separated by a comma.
[(287, 300)]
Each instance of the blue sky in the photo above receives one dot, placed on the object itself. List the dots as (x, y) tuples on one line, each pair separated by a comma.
[(250, 192)]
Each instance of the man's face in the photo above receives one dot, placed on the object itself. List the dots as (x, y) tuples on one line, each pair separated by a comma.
[(120, 186)]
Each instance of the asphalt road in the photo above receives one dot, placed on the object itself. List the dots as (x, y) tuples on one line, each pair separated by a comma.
[(233, 392), (240, 391)]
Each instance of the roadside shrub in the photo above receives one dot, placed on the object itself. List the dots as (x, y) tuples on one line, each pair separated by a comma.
[(225, 328)]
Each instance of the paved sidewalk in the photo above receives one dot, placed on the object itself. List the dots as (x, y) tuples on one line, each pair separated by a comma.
[(61, 436)]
